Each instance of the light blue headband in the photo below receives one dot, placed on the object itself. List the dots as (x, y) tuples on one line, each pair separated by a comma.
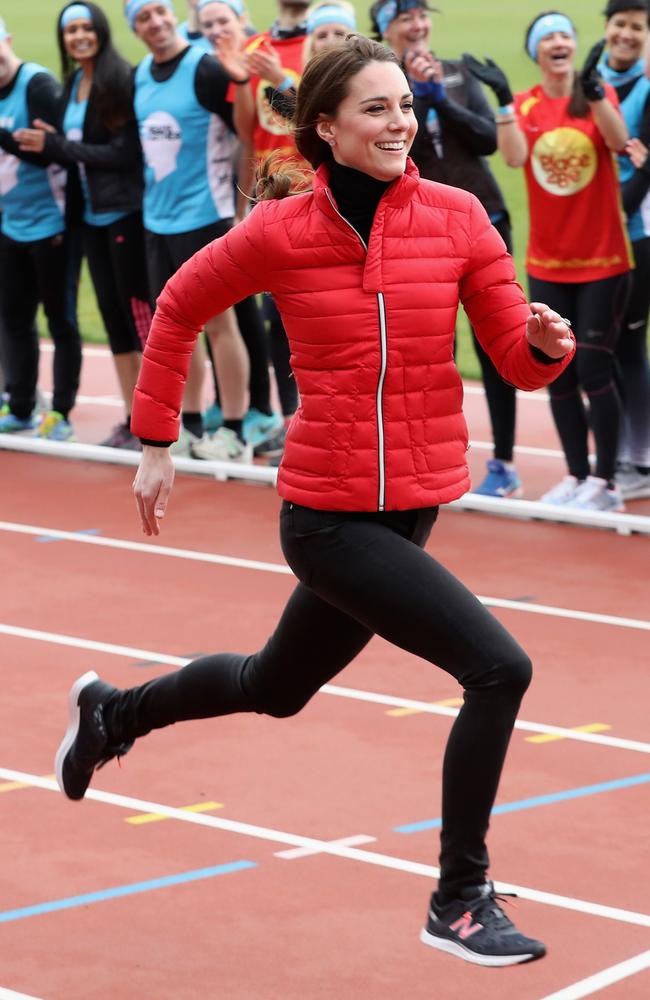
[(548, 25), (75, 12), (133, 7), (331, 15), (391, 9), (235, 5), (3, 31)]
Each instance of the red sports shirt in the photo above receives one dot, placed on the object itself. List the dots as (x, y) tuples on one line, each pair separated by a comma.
[(577, 229), (272, 132)]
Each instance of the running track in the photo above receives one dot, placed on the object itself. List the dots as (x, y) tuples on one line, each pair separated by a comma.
[(293, 859)]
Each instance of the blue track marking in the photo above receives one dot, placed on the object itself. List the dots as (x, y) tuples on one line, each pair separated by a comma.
[(123, 890), (55, 538), (540, 800)]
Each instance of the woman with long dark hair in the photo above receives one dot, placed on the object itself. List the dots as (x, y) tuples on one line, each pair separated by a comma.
[(368, 270), (99, 144), (563, 132)]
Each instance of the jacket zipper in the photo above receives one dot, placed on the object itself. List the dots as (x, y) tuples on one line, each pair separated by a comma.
[(383, 347)]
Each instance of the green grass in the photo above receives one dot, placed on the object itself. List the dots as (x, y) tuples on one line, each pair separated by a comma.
[(494, 29)]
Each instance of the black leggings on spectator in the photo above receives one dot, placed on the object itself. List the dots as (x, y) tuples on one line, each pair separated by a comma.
[(45, 271), (501, 397), (363, 574), (632, 363), (117, 264), (281, 358), (595, 310)]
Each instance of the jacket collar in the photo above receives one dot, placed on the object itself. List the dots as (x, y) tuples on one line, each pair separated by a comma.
[(399, 193)]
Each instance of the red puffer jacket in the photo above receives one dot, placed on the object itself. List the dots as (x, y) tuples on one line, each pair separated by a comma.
[(380, 423)]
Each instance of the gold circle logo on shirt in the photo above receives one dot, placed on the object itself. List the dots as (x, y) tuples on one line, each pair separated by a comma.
[(564, 161), (270, 120)]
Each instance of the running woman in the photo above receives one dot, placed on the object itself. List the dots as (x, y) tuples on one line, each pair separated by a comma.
[(563, 132), (37, 262), (622, 65), (100, 147), (456, 132), (358, 265)]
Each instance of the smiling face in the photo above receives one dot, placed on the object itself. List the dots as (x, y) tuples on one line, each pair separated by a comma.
[(409, 31), (80, 40), (374, 126), (626, 34), (556, 55), (155, 25), (218, 20)]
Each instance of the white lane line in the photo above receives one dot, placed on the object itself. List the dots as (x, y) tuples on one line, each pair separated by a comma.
[(327, 847), (267, 567), (306, 852), (374, 698), (10, 995), (602, 979)]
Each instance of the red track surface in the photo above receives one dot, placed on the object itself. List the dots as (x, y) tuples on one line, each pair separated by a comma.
[(316, 926)]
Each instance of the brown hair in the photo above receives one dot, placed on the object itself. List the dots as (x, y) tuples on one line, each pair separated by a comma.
[(323, 86)]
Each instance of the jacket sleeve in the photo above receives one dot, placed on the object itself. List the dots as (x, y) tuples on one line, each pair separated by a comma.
[(497, 307), (122, 152), (215, 278), (474, 124)]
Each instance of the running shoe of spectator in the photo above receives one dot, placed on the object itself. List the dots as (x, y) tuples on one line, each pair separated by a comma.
[(634, 485), (10, 423), (562, 493), (501, 481), (595, 494), (213, 418), (182, 447), (260, 427), (121, 437), (475, 928), (223, 446), (273, 446), (54, 427), (86, 744)]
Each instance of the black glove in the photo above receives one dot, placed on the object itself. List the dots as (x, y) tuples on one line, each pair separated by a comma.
[(592, 85), (489, 73)]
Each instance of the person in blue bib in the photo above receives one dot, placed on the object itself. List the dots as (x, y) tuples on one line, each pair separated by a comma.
[(186, 124), (622, 65), (35, 263), (99, 144)]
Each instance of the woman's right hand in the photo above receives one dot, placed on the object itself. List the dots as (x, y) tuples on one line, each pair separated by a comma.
[(637, 152), (152, 486), (492, 75), (32, 140)]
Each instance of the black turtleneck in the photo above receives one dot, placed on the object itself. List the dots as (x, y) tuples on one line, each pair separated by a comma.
[(357, 196)]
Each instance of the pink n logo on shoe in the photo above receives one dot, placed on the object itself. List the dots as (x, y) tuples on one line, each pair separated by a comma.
[(464, 926)]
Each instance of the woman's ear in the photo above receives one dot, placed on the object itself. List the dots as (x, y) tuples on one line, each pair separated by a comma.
[(325, 131)]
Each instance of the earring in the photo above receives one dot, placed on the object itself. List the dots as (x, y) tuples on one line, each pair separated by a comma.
[(332, 142)]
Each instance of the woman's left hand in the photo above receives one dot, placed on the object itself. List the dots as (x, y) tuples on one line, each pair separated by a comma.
[(548, 331), (232, 58), (32, 140)]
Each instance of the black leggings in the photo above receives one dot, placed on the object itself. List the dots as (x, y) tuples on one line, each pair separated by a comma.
[(595, 310), (501, 397), (117, 265), (632, 362), (45, 271), (281, 358), (364, 574)]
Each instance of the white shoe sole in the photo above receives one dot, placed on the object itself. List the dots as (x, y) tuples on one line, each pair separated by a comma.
[(73, 724), (456, 949)]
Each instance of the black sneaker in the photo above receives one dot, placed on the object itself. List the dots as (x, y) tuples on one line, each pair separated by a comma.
[(85, 745), (271, 447), (476, 929)]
